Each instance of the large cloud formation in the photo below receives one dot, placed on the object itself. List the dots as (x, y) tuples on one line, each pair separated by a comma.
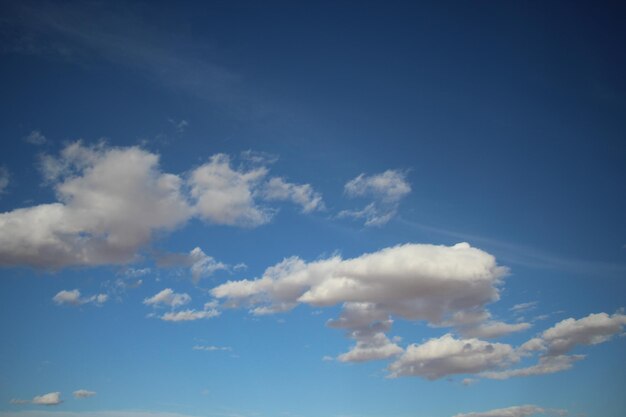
[(112, 201), (442, 285)]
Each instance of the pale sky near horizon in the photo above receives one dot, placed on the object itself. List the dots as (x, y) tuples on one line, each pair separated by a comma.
[(312, 209)]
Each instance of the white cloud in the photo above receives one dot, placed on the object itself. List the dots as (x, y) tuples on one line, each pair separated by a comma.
[(35, 138), (168, 298), (515, 411), (83, 393), (5, 178), (111, 201), (74, 298), (277, 189), (17, 401), (493, 329), (212, 348), (546, 365), (523, 307), (203, 265), (440, 284), (555, 342), (386, 189), (446, 355), (224, 195), (190, 315), (52, 398), (590, 330)]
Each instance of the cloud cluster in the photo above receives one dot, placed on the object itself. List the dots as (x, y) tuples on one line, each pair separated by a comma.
[(169, 298), (112, 201), (386, 190), (442, 285), (74, 298), (555, 343)]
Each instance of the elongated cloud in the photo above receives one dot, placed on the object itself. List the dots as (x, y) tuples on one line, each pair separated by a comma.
[(442, 285), (386, 190), (52, 398), (74, 298), (555, 343), (168, 297), (112, 202), (446, 355), (83, 393)]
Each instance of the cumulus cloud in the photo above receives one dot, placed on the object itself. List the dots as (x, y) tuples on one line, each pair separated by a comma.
[(386, 189), (443, 285), (168, 297), (555, 343), (203, 265), (83, 393), (515, 411), (446, 355), (227, 195), (74, 298), (112, 201), (5, 178), (52, 398), (35, 138), (277, 189), (224, 195)]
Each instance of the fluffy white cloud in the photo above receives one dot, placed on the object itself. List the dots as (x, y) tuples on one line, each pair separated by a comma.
[(203, 265), (590, 330), (35, 138), (168, 297), (190, 315), (5, 178), (52, 398), (111, 201), (515, 411), (83, 393), (446, 355), (386, 189), (555, 342), (277, 189), (224, 195), (444, 285), (74, 298)]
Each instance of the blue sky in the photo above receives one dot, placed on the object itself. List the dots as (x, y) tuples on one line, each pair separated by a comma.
[(324, 209)]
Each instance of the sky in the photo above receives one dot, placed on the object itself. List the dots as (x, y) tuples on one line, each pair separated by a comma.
[(307, 209)]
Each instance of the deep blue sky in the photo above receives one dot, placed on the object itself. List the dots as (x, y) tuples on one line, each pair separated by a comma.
[(500, 124)]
